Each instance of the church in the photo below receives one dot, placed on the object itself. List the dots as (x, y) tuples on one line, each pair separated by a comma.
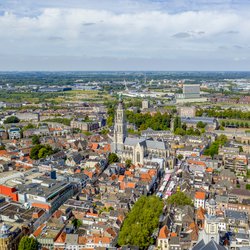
[(135, 149)]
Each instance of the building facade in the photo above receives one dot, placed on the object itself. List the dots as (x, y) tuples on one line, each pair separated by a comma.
[(191, 91), (9, 237), (84, 126)]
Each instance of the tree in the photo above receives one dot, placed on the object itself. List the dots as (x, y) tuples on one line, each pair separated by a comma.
[(180, 131), (11, 119), (141, 222), (110, 120), (214, 148), (113, 158), (197, 132), (104, 131), (64, 121), (179, 199), (180, 157), (177, 123), (184, 126), (29, 126), (28, 243), (143, 121), (34, 152), (76, 223), (201, 124), (41, 151), (35, 139), (128, 163)]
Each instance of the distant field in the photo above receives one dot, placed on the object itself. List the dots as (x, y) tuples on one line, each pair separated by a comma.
[(57, 97)]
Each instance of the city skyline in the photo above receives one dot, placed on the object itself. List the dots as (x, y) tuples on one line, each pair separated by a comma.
[(125, 35)]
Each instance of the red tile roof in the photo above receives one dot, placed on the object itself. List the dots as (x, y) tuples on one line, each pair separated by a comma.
[(164, 232), (200, 195)]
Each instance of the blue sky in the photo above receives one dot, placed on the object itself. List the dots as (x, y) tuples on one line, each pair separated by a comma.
[(124, 35)]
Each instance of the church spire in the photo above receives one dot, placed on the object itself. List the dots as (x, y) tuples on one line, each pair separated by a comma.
[(120, 128)]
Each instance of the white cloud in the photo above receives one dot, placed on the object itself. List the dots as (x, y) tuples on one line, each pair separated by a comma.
[(136, 31)]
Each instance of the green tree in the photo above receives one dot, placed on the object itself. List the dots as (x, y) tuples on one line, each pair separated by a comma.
[(214, 147), (41, 151), (35, 140), (76, 223), (113, 158), (197, 132), (29, 126), (180, 157), (11, 119), (143, 121), (28, 243), (141, 222), (177, 123), (179, 199), (110, 120), (64, 121), (201, 124), (104, 131), (180, 131), (184, 126), (34, 152), (128, 163)]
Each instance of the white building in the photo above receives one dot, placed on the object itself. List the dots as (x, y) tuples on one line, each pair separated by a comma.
[(145, 104), (199, 200), (191, 93)]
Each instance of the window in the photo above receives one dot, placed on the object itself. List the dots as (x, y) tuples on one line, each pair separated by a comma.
[(138, 157)]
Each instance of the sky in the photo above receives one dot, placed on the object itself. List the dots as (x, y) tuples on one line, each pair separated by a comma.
[(135, 35)]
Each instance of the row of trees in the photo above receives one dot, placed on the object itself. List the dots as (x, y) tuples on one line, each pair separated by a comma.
[(141, 222), (184, 131), (224, 114), (37, 97), (64, 121), (235, 123), (181, 129)]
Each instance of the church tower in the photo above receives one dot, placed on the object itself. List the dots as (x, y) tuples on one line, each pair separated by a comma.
[(120, 128)]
